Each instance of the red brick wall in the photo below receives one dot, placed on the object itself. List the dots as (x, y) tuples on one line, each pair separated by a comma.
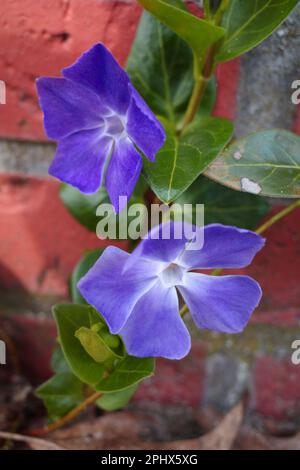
[(40, 242)]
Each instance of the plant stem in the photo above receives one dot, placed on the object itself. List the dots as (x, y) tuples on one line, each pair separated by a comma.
[(198, 91), (68, 417), (207, 9), (278, 216), (202, 76), (219, 14), (261, 229), (183, 310)]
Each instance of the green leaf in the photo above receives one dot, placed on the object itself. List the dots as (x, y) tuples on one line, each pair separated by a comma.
[(176, 3), (198, 33), (265, 163), (60, 394), (223, 205), (58, 361), (208, 101), (249, 22), (84, 207), (179, 162), (160, 66), (116, 400), (69, 318), (128, 371), (82, 267)]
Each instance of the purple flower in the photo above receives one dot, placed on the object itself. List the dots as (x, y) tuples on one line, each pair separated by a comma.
[(99, 120), (137, 293)]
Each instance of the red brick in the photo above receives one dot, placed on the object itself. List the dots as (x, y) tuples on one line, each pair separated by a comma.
[(289, 317), (297, 121), (227, 75), (38, 39), (176, 382), (277, 388), (35, 338), (40, 242), (276, 267)]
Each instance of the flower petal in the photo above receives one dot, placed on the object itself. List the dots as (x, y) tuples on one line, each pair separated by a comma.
[(224, 247), (68, 107), (155, 328), (223, 303), (163, 243), (98, 70), (123, 172), (80, 159), (143, 127), (113, 294)]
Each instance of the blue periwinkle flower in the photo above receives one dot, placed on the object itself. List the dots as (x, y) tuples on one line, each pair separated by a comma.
[(137, 293), (102, 125)]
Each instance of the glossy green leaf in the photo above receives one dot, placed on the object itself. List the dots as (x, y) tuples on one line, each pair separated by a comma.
[(223, 205), (177, 3), (179, 162), (83, 207), (208, 101), (265, 163), (60, 394), (198, 33), (58, 361), (128, 371), (160, 66), (116, 400), (69, 318), (248, 22), (83, 266)]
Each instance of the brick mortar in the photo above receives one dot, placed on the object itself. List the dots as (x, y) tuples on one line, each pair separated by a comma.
[(25, 157), (263, 98)]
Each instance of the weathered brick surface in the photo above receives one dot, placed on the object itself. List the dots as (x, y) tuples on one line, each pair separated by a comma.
[(34, 338), (297, 121), (274, 381), (39, 240), (277, 389), (276, 267), (41, 41), (40, 38), (176, 382), (227, 83)]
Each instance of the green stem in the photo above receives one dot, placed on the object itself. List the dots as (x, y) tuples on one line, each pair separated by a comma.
[(183, 310), (261, 229), (278, 216), (220, 12), (207, 11), (202, 75), (195, 100), (68, 417), (201, 78)]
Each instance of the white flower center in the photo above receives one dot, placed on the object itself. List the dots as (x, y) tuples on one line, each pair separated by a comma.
[(172, 275), (114, 125)]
